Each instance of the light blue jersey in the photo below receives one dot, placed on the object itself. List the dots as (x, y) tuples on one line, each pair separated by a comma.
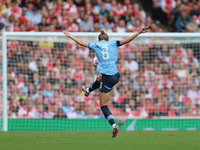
[(106, 53)]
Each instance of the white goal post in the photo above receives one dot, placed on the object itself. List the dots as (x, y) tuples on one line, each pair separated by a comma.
[(60, 37)]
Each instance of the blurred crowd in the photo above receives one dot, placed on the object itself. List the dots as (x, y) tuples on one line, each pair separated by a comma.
[(181, 15), (45, 78), (76, 16), (94, 15)]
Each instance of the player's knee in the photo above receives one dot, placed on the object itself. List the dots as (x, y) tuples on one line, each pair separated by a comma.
[(103, 103)]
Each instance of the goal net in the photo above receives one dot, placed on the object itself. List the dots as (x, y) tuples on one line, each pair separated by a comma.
[(159, 87)]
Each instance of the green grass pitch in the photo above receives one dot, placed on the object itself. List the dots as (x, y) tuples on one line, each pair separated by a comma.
[(100, 140)]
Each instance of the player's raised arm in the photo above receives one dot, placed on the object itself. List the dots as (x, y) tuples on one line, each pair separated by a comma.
[(129, 39), (78, 41)]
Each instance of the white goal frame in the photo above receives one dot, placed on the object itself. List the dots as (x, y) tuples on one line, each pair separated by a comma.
[(5, 36)]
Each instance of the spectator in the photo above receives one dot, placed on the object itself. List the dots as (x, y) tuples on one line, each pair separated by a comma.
[(3, 18), (120, 97), (121, 28), (32, 91), (107, 27), (45, 59), (48, 92), (78, 75), (126, 102), (10, 24), (72, 26), (36, 80), (87, 23), (129, 28), (187, 108), (96, 17), (55, 23), (43, 24), (70, 7), (57, 68), (58, 7), (156, 112), (60, 114), (179, 51), (126, 16), (110, 17), (14, 10), (190, 57), (183, 97), (57, 98), (182, 72), (78, 112), (20, 81), (176, 11), (41, 112), (22, 111), (29, 27), (70, 82), (63, 19), (20, 95), (195, 10), (138, 26), (130, 106), (177, 105), (42, 71), (193, 93), (67, 106), (138, 112), (30, 6), (11, 114), (103, 11), (196, 112), (167, 7), (96, 27), (31, 110), (192, 26), (131, 64), (182, 21), (127, 5), (165, 83), (89, 113), (138, 12), (33, 64), (164, 106), (23, 18), (171, 111), (119, 10), (52, 78)]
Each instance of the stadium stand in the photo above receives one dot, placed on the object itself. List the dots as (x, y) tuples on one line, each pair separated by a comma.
[(45, 79)]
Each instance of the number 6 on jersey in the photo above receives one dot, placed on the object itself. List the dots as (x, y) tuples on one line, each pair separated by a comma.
[(104, 53)]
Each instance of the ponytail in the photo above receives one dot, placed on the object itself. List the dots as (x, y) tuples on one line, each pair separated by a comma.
[(103, 36)]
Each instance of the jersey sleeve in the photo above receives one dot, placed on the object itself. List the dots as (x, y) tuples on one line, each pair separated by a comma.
[(115, 43), (118, 43), (91, 46)]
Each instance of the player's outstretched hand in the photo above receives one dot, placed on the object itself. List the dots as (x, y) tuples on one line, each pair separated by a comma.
[(67, 33), (144, 30)]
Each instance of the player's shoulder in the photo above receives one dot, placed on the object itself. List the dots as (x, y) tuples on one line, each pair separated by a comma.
[(112, 42)]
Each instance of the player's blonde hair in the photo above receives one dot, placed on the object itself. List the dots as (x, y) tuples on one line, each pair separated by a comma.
[(103, 36)]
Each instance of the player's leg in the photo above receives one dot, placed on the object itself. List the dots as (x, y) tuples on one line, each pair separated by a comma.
[(104, 99), (93, 87), (106, 85)]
